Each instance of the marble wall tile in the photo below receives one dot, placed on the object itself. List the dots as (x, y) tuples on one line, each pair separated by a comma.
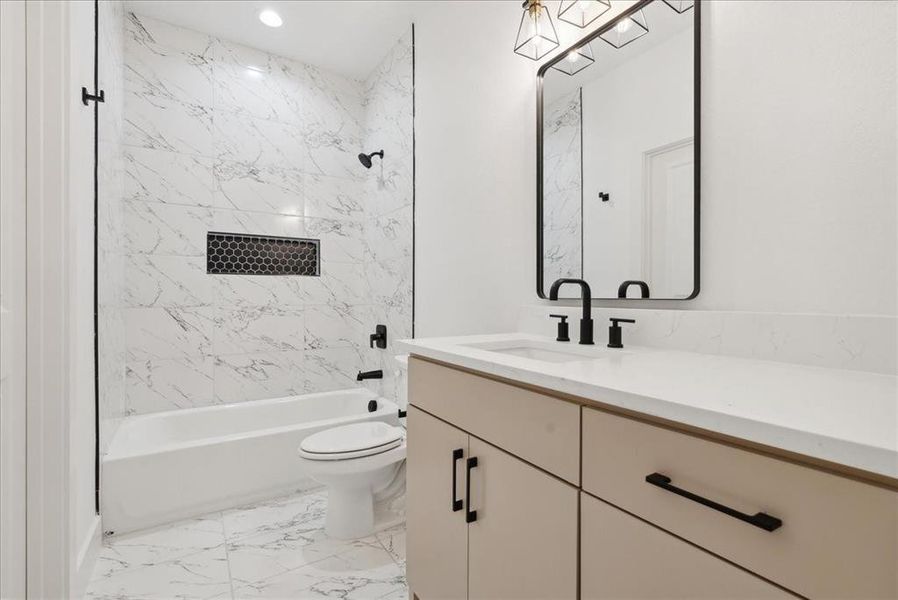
[(240, 138), (257, 188), (168, 177), (166, 281), (341, 241), (331, 369), (857, 342), (259, 290), (256, 376), (333, 198), (259, 329), (156, 333), (222, 137), (110, 223), (338, 325), (154, 122), (169, 384), (164, 229)]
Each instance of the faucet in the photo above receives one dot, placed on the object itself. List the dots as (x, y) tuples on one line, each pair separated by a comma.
[(643, 288), (363, 375), (586, 326)]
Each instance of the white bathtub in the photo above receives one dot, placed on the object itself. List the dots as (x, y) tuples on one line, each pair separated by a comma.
[(167, 466)]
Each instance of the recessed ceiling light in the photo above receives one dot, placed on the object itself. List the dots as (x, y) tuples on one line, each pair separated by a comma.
[(271, 18)]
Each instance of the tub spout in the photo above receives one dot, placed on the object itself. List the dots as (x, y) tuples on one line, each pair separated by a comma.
[(363, 375)]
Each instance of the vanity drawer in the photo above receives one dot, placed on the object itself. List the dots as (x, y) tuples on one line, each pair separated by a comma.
[(542, 430), (838, 538)]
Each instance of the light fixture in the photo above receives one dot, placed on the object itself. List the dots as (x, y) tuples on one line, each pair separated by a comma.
[(680, 6), (626, 30), (582, 12), (536, 33), (576, 60), (271, 18)]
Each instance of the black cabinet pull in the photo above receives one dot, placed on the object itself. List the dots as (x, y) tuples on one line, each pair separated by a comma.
[(456, 456), (762, 520), (470, 515)]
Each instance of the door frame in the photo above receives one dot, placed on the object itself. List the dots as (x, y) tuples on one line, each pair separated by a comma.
[(13, 405)]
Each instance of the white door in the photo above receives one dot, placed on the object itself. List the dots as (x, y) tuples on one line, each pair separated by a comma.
[(670, 220), (12, 300)]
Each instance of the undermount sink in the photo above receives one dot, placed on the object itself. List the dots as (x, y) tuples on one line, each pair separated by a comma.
[(555, 352)]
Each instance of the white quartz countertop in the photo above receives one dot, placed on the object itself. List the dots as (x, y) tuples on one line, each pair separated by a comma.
[(844, 417)]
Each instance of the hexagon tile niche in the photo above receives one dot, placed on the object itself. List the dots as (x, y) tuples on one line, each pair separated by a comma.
[(240, 254)]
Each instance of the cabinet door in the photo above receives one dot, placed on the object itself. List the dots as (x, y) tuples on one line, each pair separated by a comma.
[(623, 557), (523, 543), (437, 563)]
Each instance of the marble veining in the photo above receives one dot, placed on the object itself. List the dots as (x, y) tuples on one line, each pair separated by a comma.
[(274, 549), (218, 136)]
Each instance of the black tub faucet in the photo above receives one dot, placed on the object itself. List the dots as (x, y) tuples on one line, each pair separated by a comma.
[(363, 375), (586, 325)]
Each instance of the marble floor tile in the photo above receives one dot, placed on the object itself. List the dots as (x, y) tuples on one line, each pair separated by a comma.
[(273, 549)]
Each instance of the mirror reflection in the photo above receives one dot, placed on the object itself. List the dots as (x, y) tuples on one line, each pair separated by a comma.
[(618, 205)]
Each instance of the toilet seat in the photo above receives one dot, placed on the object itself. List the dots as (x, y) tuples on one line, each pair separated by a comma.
[(357, 440)]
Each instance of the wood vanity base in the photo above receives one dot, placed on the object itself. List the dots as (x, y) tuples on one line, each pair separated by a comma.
[(551, 500)]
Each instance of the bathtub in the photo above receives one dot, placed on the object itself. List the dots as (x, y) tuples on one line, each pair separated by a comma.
[(167, 466)]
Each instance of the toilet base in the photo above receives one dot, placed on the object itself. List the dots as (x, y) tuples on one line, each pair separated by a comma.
[(350, 513)]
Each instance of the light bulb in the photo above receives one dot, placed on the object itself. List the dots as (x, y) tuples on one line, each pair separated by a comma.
[(271, 18), (573, 56), (624, 26)]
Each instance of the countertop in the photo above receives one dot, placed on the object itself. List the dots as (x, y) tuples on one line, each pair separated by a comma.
[(844, 417)]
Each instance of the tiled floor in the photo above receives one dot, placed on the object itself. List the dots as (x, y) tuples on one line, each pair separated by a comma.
[(276, 549)]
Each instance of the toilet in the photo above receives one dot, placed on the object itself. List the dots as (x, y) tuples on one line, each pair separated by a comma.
[(358, 463), (354, 462)]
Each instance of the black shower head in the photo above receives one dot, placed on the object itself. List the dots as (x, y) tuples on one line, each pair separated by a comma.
[(365, 159)]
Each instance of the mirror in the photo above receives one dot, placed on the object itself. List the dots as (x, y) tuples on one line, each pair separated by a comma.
[(618, 157)]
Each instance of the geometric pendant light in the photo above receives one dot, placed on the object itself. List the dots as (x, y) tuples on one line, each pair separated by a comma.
[(583, 12), (626, 30), (536, 33), (576, 60), (680, 6)]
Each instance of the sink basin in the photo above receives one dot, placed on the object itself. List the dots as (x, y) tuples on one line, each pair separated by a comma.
[(554, 352)]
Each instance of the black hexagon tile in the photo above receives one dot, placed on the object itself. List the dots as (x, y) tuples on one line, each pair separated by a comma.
[(247, 254)]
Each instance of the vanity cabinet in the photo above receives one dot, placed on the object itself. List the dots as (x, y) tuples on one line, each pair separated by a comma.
[(624, 557), (483, 524), (657, 512)]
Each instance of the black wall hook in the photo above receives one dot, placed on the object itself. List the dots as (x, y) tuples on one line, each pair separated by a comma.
[(88, 97)]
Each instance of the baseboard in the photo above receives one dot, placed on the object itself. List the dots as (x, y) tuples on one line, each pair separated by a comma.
[(87, 558)]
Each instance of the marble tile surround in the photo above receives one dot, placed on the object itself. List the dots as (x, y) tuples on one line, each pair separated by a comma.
[(855, 342), (562, 206), (112, 258), (275, 549), (223, 137)]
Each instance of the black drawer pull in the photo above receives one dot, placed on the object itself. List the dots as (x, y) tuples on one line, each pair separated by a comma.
[(470, 515), (762, 520), (456, 456)]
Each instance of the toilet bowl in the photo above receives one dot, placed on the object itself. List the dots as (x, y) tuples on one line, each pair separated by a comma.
[(354, 462)]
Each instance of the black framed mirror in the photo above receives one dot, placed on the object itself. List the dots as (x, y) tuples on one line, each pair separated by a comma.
[(618, 161)]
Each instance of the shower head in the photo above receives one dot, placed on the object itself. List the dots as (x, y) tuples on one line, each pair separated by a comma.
[(365, 159)]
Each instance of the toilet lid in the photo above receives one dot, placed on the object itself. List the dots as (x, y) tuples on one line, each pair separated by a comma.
[(351, 441)]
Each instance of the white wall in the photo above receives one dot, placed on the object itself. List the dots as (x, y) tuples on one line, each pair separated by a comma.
[(798, 177)]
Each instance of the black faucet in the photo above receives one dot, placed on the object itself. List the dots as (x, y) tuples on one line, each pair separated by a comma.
[(643, 288), (614, 332), (586, 326), (363, 375)]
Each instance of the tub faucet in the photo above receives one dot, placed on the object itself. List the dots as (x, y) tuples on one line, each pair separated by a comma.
[(363, 375), (586, 325)]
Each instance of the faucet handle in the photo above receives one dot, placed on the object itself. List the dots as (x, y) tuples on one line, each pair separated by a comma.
[(563, 329), (616, 321)]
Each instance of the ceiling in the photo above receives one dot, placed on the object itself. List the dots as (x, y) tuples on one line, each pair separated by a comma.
[(349, 37)]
